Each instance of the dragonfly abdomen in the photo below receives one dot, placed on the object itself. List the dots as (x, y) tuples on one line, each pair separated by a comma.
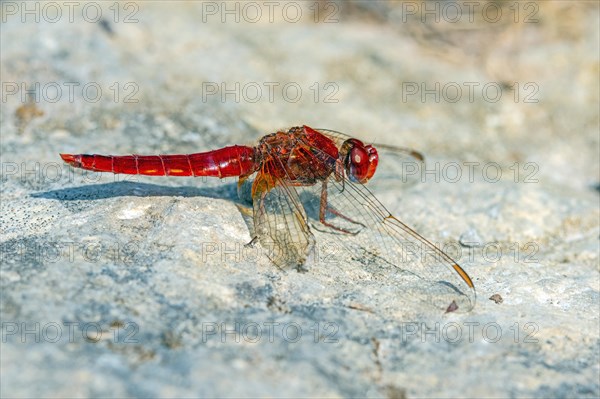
[(225, 162)]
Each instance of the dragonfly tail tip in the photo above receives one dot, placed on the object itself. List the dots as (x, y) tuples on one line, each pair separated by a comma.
[(70, 159)]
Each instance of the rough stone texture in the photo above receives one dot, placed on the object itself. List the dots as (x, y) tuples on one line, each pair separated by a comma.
[(139, 275)]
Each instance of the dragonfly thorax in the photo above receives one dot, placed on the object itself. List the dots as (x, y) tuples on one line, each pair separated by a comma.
[(299, 156)]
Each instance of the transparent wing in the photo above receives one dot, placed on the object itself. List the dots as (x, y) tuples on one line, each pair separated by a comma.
[(389, 248), (280, 223), (339, 138)]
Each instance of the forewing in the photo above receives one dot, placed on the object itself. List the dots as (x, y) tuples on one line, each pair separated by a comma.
[(280, 223), (391, 250), (337, 137), (413, 263)]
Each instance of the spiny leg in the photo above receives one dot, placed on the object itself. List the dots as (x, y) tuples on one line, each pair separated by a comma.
[(324, 207)]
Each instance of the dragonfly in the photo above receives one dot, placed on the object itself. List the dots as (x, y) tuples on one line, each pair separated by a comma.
[(334, 168)]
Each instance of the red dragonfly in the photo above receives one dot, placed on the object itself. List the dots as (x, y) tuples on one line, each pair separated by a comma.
[(334, 168)]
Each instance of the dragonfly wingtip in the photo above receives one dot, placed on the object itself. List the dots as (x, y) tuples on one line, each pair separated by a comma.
[(417, 155)]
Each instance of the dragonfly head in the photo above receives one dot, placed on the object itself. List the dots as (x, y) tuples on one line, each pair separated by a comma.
[(359, 160)]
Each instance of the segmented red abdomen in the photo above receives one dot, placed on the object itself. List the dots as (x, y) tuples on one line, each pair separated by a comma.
[(225, 162)]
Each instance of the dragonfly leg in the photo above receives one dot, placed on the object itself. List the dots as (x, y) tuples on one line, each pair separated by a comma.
[(252, 242), (324, 208)]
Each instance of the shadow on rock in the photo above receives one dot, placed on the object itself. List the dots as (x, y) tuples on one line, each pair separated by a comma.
[(132, 189)]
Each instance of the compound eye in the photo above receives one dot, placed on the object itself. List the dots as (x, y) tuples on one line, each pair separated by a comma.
[(362, 162)]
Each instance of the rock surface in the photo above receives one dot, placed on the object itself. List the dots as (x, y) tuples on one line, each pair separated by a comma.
[(137, 286)]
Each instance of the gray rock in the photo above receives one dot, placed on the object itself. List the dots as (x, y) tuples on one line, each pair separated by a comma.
[(120, 286)]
